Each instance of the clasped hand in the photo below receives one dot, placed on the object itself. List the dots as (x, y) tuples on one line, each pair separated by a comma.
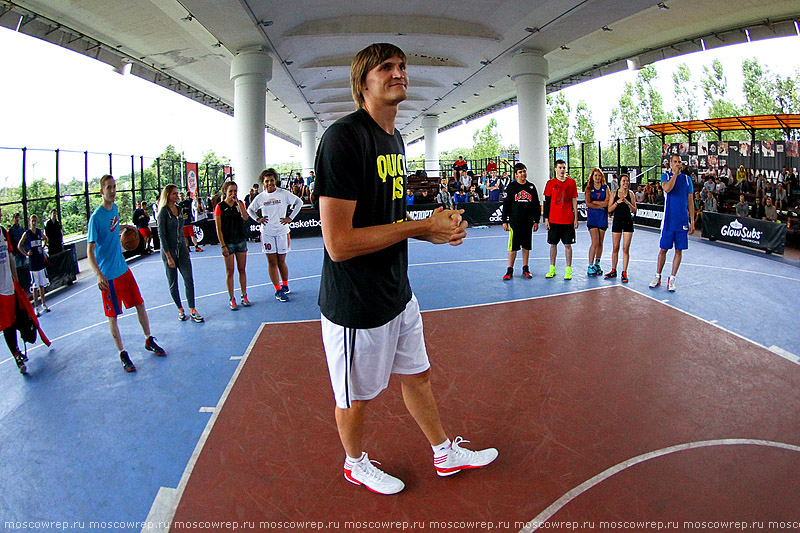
[(447, 226)]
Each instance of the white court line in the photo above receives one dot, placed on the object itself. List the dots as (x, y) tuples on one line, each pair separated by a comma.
[(714, 321), (784, 353), (165, 510), (726, 330), (148, 309), (410, 265), (206, 410), (541, 297), (556, 506)]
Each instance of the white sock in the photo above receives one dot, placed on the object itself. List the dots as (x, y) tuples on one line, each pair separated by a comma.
[(355, 461), (439, 449)]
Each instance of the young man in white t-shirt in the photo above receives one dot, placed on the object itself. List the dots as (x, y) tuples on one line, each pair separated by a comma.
[(271, 209)]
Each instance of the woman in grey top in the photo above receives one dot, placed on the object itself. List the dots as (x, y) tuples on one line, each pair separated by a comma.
[(174, 252)]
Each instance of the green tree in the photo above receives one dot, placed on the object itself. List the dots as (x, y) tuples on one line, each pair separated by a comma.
[(170, 164), (486, 141), (640, 104), (685, 93), (767, 93), (714, 85), (210, 172), (583, 136), (558, 112)]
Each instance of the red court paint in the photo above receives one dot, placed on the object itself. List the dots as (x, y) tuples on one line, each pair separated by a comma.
[(565, 387)]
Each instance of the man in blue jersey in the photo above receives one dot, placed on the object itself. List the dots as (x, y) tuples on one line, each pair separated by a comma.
[(678, 222)]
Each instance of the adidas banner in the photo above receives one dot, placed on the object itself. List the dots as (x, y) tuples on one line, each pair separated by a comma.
[(759, 234), (476, 213), (482, 213)]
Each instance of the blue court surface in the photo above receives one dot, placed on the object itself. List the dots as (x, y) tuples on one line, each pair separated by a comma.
[(86, 445)]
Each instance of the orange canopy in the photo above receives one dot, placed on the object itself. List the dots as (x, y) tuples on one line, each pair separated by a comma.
[(717, 125)]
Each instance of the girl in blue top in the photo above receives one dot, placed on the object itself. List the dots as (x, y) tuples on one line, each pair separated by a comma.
[(596, 195)]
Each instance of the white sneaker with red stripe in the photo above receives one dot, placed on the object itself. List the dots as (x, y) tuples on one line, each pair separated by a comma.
[(366, 473), (457, 458)]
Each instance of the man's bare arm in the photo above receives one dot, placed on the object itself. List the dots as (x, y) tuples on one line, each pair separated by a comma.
[(102, 282)]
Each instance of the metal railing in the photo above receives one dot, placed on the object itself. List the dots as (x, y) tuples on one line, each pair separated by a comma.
[(35, 181)]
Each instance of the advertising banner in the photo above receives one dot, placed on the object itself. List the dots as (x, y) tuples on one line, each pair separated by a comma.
[(191, 178), (562, 152), (482, 213), (764, 157), (476, 213), (649, 215), (759, 234)]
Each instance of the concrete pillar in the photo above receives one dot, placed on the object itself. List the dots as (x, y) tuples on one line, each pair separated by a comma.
[(308, 142), (430, 125), (529, 71), (250, 72)]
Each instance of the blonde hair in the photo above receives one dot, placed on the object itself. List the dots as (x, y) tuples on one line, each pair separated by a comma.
[(162, 200), (366, 60)]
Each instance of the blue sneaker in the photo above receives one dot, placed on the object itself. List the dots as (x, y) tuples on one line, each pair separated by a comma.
[(281, 296), (286, 290), (597, 270), (591, 271)]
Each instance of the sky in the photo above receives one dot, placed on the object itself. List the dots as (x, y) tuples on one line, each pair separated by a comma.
[(55, 98)]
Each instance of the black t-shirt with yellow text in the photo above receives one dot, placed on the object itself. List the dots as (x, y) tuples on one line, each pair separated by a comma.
[(357, 160)]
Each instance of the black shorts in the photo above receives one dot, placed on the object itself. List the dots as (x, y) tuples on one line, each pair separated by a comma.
[(561, 232), (519, 236), (622, 226)]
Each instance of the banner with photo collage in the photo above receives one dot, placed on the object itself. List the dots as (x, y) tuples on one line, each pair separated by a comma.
[(767, 157)]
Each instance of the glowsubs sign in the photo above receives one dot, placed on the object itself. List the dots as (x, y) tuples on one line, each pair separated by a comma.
[(738, 230), (759, 234)]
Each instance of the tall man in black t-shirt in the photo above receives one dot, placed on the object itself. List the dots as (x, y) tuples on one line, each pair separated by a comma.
[(521, 212), (371, 324)]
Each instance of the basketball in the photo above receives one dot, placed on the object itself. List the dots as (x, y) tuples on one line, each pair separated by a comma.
[(129, 239)]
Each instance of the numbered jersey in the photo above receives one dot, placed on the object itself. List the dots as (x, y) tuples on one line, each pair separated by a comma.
[(358, 161)]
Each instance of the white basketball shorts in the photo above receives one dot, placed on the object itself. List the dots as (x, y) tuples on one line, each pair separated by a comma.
[(39, 279), (275, 244), (360, 361)]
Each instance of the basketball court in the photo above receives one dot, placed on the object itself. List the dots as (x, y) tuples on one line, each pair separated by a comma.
[(612, 406)]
